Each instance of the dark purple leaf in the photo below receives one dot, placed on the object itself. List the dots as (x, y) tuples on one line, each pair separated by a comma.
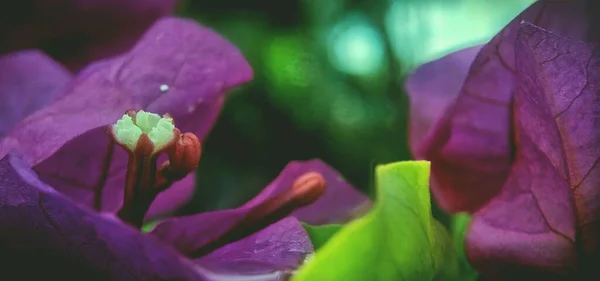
[(545, 225), (77, 32), (45, 236), (470, 145), (29, 80), (274, 252), (191, 233), (177, 67)]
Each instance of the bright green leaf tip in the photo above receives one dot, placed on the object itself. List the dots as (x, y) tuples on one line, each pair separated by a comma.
[(397, 240), (159, 129)]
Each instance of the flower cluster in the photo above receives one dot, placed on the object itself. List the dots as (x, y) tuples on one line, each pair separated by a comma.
[(73, 196)]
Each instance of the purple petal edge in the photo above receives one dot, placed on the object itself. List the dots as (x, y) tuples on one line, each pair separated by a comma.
[(431, 89), (278, 249), (553, 185), (45, 232), (29, 80)]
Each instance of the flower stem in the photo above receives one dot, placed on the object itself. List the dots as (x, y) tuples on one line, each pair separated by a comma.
[(139, 187), (98, 188)]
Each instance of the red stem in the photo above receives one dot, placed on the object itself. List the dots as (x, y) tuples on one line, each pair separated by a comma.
[(139, 185)]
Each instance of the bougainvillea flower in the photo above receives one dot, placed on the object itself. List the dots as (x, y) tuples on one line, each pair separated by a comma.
[(177, 67), (78, 32), (336, 205), (64, 240), (45, 229), (517, 145), (75, 152)]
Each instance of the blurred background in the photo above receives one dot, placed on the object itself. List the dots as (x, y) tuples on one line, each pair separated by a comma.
[(328, 83)]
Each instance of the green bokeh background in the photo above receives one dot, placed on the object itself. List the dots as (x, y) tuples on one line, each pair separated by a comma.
[(328, 83)]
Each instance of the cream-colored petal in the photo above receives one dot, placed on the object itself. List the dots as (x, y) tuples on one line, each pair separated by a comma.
[(146, 120), (162, 133), (126, 132)]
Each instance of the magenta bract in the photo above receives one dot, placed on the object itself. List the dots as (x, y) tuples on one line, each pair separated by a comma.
[(66, 141), (518, 147)]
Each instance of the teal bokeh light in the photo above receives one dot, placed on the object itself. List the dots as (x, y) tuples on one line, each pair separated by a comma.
[(421, 31), (355, 45)]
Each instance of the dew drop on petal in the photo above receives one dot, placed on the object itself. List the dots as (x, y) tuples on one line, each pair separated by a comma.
[(164, 88)]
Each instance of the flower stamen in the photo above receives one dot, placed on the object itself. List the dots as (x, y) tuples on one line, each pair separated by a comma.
[(144, 136), (305, 190)]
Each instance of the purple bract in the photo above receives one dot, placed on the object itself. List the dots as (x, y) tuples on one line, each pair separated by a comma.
[(517, 143)]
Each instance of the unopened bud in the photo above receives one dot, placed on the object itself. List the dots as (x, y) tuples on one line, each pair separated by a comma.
[(305, 190), (308, 188), (187, 153)]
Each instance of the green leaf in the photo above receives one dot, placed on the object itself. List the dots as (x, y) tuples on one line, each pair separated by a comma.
[(397, 240), (459, 225), (149, 226), (320, 234)]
